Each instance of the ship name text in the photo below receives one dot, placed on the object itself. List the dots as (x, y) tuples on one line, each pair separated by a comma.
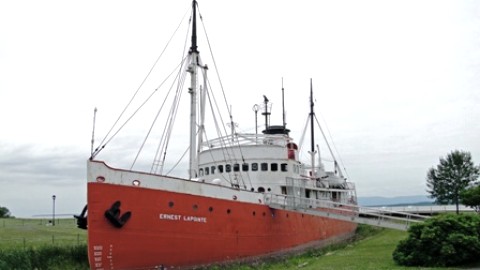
[(176, 217)]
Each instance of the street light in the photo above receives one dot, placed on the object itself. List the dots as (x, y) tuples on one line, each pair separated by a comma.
[(53, 216)]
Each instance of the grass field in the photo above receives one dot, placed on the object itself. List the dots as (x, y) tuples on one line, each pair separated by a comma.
[(374, 251), (25, 233), (36, 244)]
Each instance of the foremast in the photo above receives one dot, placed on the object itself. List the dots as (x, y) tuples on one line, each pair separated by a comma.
[(312, 151), (193, 69)]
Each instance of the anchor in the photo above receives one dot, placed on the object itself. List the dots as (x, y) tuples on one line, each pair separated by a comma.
[(82, 221), (113, 215)]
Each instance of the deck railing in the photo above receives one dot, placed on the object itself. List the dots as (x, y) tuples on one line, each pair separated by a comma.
[(344, 211)]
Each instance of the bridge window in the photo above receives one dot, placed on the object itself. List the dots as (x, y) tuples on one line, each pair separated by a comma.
[(264, 167), (284, 167), (284, 190), (207, 171), (220, 168), (274, 167), (254, 167), (213, 169), (245, 167), (200, 172), (228, 168), (261, 189), (236, 167)]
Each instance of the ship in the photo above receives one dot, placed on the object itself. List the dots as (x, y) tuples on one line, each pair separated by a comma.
[(221, 212)]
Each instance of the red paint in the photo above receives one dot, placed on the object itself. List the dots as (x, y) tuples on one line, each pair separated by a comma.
[(195, 230)]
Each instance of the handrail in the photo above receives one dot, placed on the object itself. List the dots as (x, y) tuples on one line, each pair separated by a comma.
[(247, 139), (344, 211)]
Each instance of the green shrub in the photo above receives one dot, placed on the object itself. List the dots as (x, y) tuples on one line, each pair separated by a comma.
[(445, 240)]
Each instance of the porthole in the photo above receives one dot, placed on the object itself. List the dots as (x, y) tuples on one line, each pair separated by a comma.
[(100, 179), (136, 183), (210, 209), (234, 197), (195, 207), (253, 213), (229, 211), (264, 214), (170, 204)]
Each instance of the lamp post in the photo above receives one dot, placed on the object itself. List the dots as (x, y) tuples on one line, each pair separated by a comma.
[(53, 213)]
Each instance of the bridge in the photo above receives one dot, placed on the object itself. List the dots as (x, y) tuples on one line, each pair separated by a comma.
[(343, 211)]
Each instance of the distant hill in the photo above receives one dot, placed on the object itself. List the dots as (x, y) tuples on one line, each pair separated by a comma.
[(395, 201)]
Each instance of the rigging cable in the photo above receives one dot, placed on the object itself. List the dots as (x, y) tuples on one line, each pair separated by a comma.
[(333, 143), (156, 116), (172, 117), (219, 80), (103, 143), (304, 132), (220, 138), (216, 68), (163, 144)]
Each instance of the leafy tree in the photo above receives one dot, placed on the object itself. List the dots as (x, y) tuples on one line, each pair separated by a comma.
[(451, 177), (4, 212), (445, 240), (471, 197)]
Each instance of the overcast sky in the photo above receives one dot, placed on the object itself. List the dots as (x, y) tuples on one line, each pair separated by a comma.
[(397, 82)]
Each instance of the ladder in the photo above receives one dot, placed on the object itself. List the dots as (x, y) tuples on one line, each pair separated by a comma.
[(344, 211)]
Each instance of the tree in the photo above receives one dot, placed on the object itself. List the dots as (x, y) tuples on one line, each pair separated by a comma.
[(444, 240), (4, 212), (471, 197), (451, 177)]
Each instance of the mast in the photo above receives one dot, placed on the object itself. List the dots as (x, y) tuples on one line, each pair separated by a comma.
[(266, 112), (312, 132), (193, 69), (283, 107), (312, 115), (93, 133)]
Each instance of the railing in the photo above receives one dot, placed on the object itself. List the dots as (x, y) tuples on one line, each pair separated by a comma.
[(423, 209), (344, 211), (246, 139)]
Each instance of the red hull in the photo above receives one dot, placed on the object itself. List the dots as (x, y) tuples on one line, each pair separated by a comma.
[(180, 230)]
